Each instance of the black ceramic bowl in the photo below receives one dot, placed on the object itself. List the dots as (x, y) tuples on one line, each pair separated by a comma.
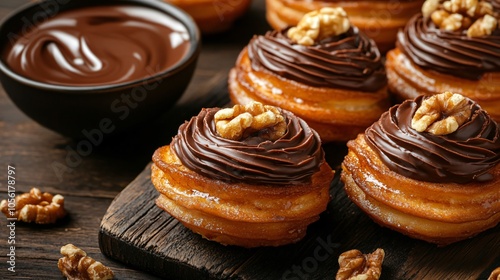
[(77, 111)]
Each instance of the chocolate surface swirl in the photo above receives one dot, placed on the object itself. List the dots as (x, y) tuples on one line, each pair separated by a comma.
[(292, 159), (99, 45), (348, 61), (460, 157), (449, 52)]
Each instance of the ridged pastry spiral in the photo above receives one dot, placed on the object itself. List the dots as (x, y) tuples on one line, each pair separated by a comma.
[(337, 86), (379, 19), (428, 59), (440, 189), (249, 192)]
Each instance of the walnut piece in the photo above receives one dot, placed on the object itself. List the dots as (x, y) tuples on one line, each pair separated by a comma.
[(476, 17), (37, 207), (429, 7), (75, 265), (482, 27), (355, 265), (451, 22), (318, 25), (495, 274), (461, 6), (441, 114), (241, 121)]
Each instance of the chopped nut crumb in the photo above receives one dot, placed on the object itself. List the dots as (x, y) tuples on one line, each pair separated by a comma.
[(441, 114), (318, 25), (75, 265), (241, 121), (355, 265), (37, 207)]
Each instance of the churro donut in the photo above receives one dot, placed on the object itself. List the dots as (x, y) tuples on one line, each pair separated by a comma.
[(436, 187), (337, 84), (213, 16), (430, 59), (246, 189), (379, 19)]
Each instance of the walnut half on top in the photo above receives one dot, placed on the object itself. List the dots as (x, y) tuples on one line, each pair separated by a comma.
[(441, 114), (241, 121), (318, 25), (477, 17)]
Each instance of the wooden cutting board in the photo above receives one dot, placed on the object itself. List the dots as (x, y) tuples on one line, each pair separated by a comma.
[(136, 232)]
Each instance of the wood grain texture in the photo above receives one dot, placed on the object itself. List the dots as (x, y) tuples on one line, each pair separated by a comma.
[(135, 231)]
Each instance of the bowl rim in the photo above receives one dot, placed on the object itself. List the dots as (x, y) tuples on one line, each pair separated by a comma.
[(160, 5)]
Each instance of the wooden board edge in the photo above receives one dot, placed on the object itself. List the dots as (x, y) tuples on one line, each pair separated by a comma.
[(146, 261)]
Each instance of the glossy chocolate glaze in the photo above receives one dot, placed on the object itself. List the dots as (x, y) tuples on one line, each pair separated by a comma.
[(449, 52), (495, 4), (99, 45), (292, 159), (348, 61), (460, 157)]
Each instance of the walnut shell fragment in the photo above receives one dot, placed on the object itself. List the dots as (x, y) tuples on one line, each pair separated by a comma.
[(355, 265), (35, 206), (76, 265)]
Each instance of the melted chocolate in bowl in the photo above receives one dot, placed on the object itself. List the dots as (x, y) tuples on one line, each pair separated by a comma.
[(99, 45)]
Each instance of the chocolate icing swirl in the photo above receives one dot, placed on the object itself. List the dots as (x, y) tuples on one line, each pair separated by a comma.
[(98, 46), (449, 52), (292, 159), (348, 61), (460, 157)]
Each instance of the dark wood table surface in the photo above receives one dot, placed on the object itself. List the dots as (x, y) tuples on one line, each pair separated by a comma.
[(89, 183)]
